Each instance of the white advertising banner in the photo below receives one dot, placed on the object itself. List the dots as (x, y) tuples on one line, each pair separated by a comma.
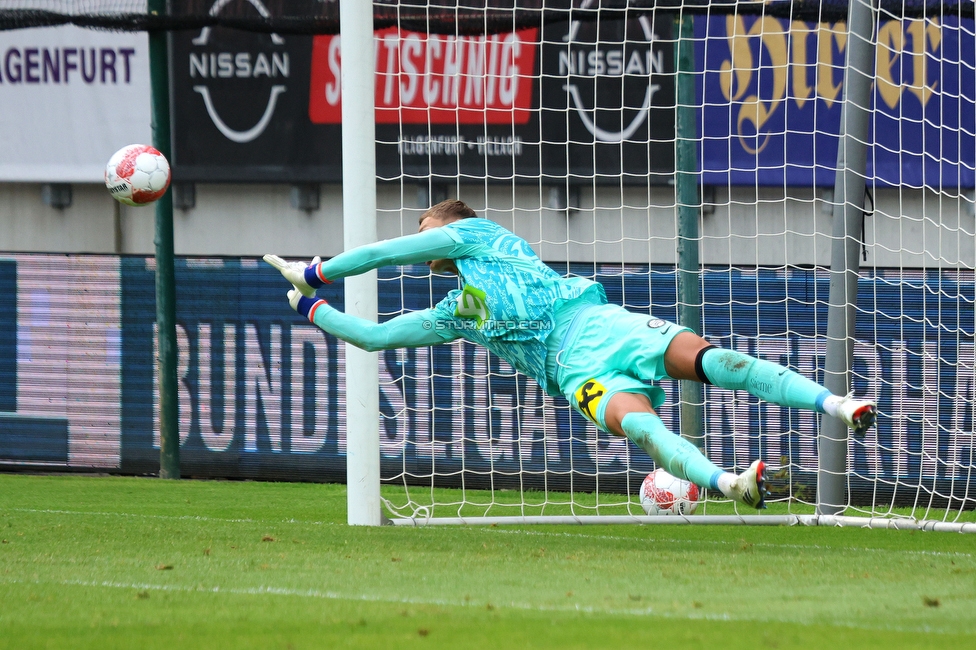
[(69, 98)]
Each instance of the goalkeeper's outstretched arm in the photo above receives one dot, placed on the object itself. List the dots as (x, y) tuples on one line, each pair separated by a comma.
[(412, 330), (409, 249), (432, 244)]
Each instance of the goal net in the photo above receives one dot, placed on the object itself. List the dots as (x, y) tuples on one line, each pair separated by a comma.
[(565, 132), (616, 136)]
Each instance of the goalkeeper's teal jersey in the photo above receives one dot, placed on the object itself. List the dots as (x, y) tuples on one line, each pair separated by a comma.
[(508, 296), (508, 300)]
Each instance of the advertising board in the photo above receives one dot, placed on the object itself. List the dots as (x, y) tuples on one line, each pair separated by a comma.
[(261, 391)]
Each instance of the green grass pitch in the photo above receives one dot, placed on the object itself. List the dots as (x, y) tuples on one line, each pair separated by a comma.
[(107, 562)]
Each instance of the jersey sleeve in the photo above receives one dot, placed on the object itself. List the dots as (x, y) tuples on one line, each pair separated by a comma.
[(471, 236), (410, 330), (433, 244)]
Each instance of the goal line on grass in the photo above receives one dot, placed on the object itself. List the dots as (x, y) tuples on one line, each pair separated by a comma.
[(700, 520)]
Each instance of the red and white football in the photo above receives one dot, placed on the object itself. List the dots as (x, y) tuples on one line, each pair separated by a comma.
[(137, 174), (664, 494)]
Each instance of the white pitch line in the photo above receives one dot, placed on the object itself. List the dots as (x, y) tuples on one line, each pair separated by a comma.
[(319, 594), (330, 595)]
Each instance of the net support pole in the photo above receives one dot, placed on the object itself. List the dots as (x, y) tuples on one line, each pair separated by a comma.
[(169, 430), (359, 227), (849, 185), (689, 215)]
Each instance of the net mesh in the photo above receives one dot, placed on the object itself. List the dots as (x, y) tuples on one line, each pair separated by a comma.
[(767, 100)]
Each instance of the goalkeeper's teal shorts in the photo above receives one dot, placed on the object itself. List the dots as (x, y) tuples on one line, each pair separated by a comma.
[(606, 350)]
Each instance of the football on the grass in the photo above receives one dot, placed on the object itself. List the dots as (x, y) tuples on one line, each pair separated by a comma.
[(664, 494), (137, 174)]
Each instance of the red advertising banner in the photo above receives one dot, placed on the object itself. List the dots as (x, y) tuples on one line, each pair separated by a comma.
[(560, 99), (434, 79)]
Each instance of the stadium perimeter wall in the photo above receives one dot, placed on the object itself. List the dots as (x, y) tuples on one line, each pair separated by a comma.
[(260, 390), (740, 226)]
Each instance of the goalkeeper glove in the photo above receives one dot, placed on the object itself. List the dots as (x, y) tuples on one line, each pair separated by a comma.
[(304, 277), (304, 305)]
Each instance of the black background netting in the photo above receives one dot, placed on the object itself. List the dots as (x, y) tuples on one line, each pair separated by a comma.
[(431, 16)]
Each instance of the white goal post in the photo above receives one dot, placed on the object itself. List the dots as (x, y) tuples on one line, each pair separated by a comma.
[(562, 128), (359, 227)]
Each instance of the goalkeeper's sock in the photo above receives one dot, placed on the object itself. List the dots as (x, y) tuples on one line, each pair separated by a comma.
[(764, 379), (670, 451), (832, 403)]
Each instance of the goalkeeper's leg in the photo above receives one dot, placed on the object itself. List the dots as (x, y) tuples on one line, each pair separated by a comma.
[(691, 357), (631, 415)]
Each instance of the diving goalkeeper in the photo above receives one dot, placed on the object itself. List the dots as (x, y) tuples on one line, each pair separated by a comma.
[(561, 332)]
